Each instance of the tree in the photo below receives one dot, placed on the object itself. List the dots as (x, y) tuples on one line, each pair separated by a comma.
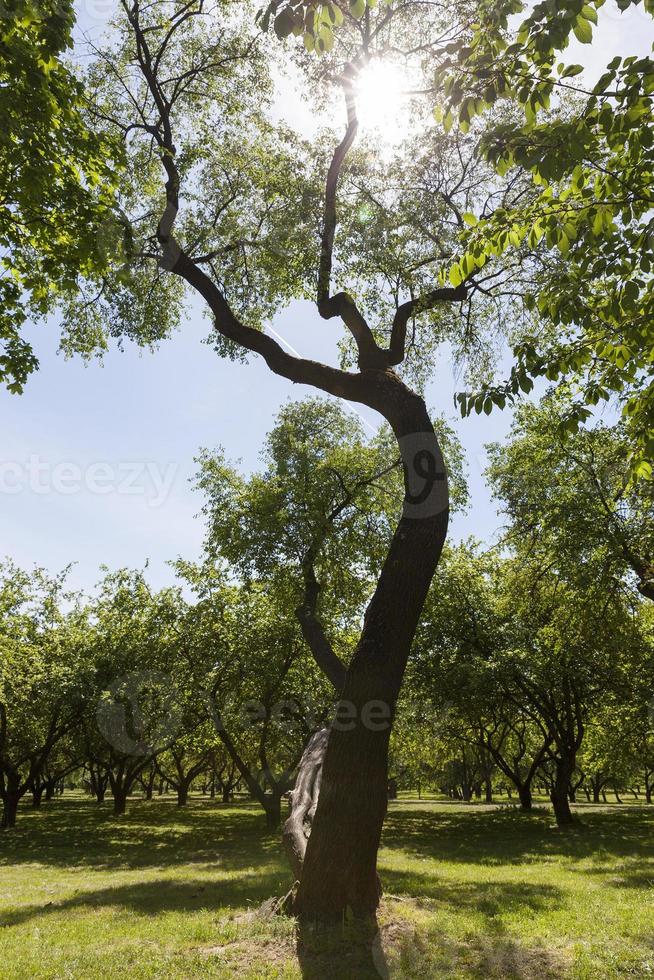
[(57, 176), (591, 161), (43, 678), (321, 515), (249, 221), (183, 762), (525, 657), (259, 691), (468, 681), (566, 648), (572, 498), (133, 639)]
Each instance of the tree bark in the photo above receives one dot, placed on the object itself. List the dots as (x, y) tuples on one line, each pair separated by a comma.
[(182, 794), (304, 800), (120, 802), (560, 792), (273, 809), (526, 800), (9, 810)]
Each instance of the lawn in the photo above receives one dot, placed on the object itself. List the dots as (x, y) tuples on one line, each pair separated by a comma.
[(471, 891)]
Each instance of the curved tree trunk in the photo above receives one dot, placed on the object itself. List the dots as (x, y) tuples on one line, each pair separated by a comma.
[(304, 800), (340, 865)]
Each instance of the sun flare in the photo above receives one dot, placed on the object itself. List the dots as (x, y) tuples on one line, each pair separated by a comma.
[(382, 101)]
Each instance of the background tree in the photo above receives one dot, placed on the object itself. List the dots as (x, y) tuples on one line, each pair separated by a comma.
[(133, 639), (459, 664), (43, 677), (591, 161), (57, 176)]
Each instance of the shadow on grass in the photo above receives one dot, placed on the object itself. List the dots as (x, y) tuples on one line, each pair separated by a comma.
[(161, 895), (351, 951), (490, 898), (480, 957), (78, 833), (512, 837), (399, 949)]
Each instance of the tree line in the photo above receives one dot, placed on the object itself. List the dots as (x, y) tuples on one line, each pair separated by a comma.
[(532, 669)]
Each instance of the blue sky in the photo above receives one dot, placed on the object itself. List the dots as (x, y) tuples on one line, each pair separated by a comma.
[(97, 458)]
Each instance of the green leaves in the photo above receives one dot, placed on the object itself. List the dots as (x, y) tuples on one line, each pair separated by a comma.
[(591, 166), (57, 176), (582, 30)]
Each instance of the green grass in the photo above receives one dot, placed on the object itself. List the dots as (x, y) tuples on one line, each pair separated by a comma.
[(471, 892)]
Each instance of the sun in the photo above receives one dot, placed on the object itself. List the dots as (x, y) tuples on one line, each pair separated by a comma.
[(382, 101)]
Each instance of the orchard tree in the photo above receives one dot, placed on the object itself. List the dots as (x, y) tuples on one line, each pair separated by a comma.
[(459, 665), (225, 205), (136, 711), (44, 677), (263, 695), (57, 176), (186, 759), (566, 649), (572, 496), (591, 162)]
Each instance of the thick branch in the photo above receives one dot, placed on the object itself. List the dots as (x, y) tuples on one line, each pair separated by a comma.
[(342, 304), (313, 632), (446, 294)]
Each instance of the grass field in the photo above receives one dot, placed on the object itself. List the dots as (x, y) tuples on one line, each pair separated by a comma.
[(471, 892)]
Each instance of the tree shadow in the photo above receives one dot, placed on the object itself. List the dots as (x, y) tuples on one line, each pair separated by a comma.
[(348, 951), (79, 833), (486, 957), (490, 898), (511, 837), (161, 895)]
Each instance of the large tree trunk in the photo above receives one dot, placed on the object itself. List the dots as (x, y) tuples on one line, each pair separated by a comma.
[(182, 794), (340, 865)]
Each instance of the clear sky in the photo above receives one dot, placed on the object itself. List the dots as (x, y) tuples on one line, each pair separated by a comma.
[(96, 461)]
